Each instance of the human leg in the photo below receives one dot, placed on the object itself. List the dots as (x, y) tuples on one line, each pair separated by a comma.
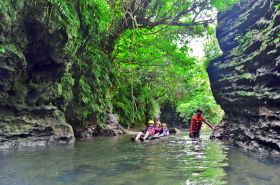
[(139, 134), (146, 135)]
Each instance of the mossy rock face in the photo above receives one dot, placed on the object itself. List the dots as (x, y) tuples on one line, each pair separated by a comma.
[(35, 57), (44, 71), (245, 79)]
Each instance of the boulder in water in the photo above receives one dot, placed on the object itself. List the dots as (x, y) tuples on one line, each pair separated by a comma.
[(175, 131), (112, 127)]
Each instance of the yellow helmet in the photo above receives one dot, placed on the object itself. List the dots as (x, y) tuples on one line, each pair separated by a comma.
[(151, 122)]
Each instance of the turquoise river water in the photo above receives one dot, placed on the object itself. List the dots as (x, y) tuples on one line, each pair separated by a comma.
[(118, 161)]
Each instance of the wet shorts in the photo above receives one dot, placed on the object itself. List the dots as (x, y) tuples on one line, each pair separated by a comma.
[(195, 134)]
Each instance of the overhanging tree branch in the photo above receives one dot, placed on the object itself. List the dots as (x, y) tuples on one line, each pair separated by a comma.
[(137, 15)]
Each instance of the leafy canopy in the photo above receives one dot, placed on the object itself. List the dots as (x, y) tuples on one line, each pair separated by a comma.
[(133, 55)]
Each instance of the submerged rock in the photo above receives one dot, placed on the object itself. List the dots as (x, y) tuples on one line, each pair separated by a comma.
[(245, 80), (174, 131)]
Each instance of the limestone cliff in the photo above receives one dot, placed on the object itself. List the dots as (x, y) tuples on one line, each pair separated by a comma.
[(245, 80), (34, 60)]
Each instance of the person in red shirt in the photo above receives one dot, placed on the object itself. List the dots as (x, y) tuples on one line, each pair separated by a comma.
[(196, 124)]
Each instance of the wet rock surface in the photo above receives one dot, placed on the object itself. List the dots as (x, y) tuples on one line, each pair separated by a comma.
[(111, 128), (174, 131), (33, 60), (245, 80)]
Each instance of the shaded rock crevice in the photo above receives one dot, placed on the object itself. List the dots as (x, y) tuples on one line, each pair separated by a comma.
[(245, 80), (33, 59)]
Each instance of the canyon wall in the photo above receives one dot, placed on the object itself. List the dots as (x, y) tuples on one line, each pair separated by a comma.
[(34, 63), (245, 80)]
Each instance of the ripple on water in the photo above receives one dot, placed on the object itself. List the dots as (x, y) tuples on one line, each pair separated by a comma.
[(103, 161)]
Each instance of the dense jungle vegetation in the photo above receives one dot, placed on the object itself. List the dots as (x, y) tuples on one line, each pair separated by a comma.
[(133, 56)]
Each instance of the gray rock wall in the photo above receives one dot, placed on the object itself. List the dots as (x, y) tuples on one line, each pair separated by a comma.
[(33, 60), (245, 80)]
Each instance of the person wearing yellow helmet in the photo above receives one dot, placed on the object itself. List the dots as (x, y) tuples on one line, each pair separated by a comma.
[(153, 131), (151, 122), (149, 131)]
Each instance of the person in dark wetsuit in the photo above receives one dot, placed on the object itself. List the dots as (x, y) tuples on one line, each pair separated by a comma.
[(196, 124)]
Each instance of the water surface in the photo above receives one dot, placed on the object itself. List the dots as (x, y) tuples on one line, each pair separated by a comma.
[(117, 161)]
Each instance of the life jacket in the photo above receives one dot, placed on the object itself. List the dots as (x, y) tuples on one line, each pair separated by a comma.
[(157, 130), (196, 123), (165, 132), (151, 130)]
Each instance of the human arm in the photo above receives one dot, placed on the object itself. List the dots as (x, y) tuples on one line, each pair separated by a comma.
[(167, 132), (207, 123)]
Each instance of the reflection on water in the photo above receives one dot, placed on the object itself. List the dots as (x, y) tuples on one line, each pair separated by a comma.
[(104, 161), (250, 169)]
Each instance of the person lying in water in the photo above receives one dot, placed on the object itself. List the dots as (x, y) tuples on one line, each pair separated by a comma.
[(149, 131), (158, 128), (152, 131), (164, 131), (196, 124)]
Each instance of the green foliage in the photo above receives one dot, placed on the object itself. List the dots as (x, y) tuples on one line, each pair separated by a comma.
[(245, 93), (211, 49), (156, 70), (150, 66), (277, 6), (223, 5), (200, 96), (85, 20), (95, 14), (94, 85), (65, 87), (134, 104), (2, 50), (65, 13), (142, 61), (87, 23)]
